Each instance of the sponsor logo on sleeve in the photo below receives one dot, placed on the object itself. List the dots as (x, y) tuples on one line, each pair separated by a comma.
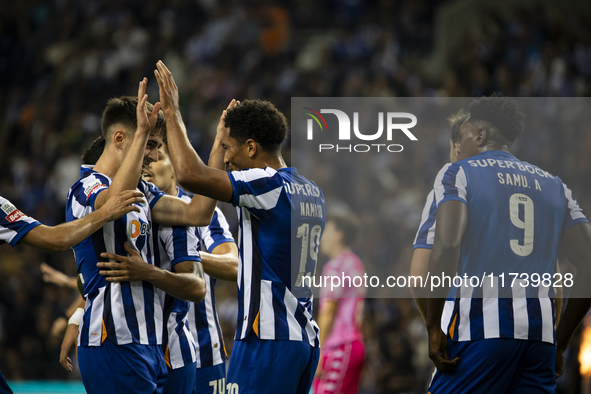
[(12, 214), (93, 187)]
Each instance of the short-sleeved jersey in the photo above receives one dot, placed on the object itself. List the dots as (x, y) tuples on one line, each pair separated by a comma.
[(127, 312), (516, 215), (426, 232), (345, 327), (203, 317), (276, 209), (176, 244), (13, 223)]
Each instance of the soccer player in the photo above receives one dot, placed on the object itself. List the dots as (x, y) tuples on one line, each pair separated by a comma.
[(121, 330), (426, 233), (276, 346), (341, 311), (219, 255), (497, 215), (17, 227)]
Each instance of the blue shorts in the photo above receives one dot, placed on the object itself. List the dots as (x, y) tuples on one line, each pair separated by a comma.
[(500, 365), (181, 380), (211, 380), (131, 368), (259, 366), (4, 389)]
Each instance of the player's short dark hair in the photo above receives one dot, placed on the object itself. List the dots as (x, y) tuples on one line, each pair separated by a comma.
[(347, 223), (258, 120), (503, 113), (94, 151), (455, 121), (122, 110)]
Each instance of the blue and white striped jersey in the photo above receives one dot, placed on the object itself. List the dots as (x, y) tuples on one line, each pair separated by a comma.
[(13, 223), (276, 209), (128, 312), (176, 244), (424, 240), (516, 215), (203, 317), (426, 233)]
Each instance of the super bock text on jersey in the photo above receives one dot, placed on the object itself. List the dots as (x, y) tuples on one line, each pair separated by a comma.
[(516, 215)]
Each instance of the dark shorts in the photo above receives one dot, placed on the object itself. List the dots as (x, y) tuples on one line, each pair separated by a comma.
[(131, 368), (500, 365), (259, 366)]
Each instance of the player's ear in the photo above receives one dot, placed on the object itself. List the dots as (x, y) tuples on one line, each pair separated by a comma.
[(252, 147), (482, 136), (118, 138)]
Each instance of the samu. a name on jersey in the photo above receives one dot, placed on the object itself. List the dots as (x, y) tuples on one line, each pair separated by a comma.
[(516, 180)]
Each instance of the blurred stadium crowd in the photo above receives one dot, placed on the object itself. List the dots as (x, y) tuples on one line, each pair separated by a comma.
[(61, 60)]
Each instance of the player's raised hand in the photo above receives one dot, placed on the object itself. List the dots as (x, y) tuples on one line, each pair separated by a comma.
[(222, 129), (169, 92), (122, 203), (146, 120), (438, 351), (126, 268)]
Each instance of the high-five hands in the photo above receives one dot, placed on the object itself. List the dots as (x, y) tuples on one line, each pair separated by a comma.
[(146, 120), (169, 92)]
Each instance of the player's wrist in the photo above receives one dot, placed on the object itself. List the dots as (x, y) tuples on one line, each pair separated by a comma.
[(76, 317), (171, 113)]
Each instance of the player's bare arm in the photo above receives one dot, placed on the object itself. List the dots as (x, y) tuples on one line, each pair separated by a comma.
[(576, 245), (452, 217), (71, 334), (326, 319), (63, 236), (174, 211), (191, 171), (187, 283), (419, 266), (129, 173), (222, 262), (58, 278)]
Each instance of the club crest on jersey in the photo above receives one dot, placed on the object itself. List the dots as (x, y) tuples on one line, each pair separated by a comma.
[(93, 187), (12, 214), (136, 228)]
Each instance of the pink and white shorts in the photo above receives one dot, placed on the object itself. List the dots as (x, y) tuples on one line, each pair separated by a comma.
[(341, 367)]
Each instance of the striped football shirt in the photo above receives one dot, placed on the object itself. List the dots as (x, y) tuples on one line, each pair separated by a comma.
[(127, 312), (176, 244), (276, 210), (516, 215), (13, 223), (200, 320)]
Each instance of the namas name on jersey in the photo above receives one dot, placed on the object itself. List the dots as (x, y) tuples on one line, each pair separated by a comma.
[(306, 208)]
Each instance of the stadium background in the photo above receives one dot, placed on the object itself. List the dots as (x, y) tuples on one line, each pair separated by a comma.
[(61, 60)]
